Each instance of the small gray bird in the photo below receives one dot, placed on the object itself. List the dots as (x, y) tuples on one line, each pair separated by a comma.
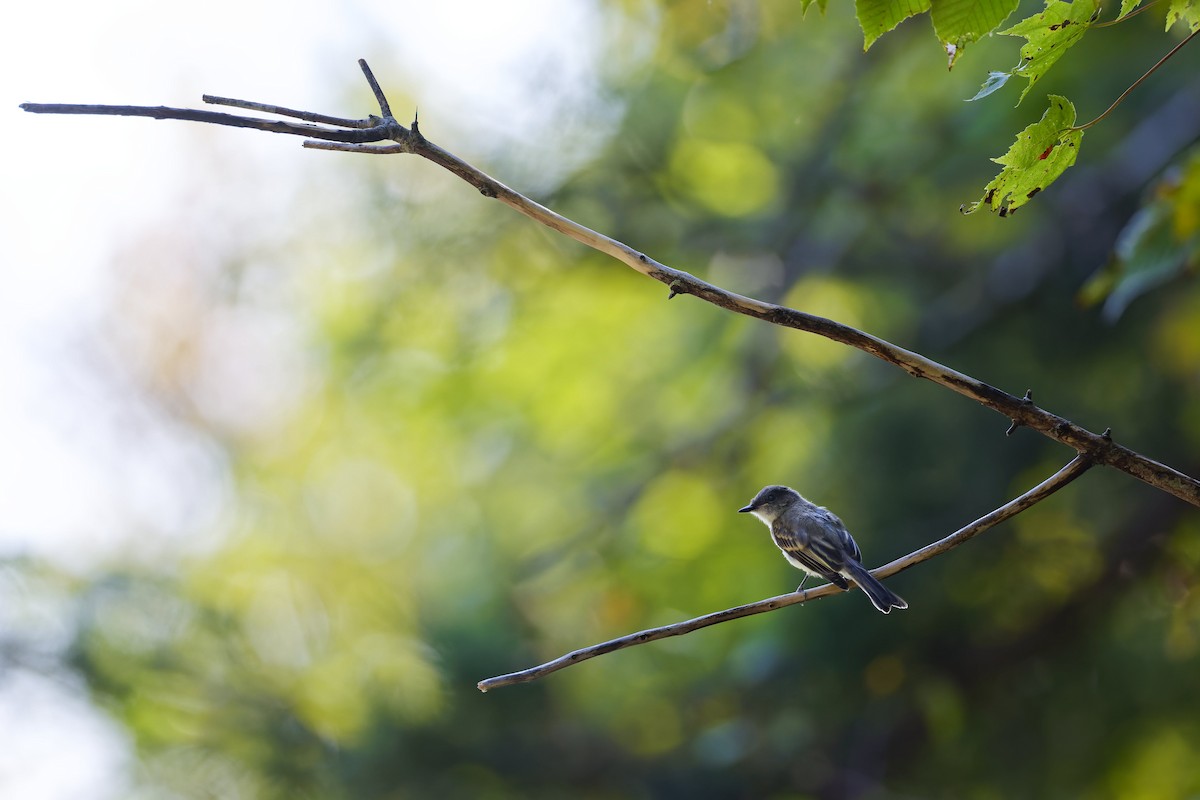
[(813, 539)]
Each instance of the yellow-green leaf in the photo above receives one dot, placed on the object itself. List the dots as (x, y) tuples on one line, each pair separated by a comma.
[(1186, 11), (1050, 34), (1042, 152), (960, 22), (1126, 7), (877, 17)]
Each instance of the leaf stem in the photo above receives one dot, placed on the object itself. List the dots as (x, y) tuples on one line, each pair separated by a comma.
[(1138, 82), (1130, 15)]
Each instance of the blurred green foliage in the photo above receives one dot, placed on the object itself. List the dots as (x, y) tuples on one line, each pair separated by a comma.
[(1160, 243), (505, 447)]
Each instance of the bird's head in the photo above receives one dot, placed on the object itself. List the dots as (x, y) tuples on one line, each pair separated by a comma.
[(772, 501)]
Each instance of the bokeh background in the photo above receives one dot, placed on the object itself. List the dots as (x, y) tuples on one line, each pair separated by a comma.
[(295, 447)]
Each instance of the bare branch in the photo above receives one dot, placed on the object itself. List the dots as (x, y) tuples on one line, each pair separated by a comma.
[(307, 116), (376, 133), (379, 96), (1019, 410), (1101, 449), (1028, 398), (1058, 480), (377, 149)]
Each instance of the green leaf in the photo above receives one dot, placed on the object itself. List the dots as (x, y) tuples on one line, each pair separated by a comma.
[(804, 4), (960, 22), (877, 17), (1050, 34), (994, 81), (1126, 7), (1042, 152), (1187, 11)]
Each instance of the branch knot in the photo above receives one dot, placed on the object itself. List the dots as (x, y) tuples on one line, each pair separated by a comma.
[(1016, 423)]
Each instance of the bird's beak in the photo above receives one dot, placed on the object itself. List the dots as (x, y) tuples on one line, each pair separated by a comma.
[(746, 509)]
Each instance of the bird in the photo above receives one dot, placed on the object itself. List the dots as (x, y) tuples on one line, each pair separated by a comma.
[(813, 539)]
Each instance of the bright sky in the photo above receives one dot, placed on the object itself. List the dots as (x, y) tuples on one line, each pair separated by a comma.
[(76, 190)]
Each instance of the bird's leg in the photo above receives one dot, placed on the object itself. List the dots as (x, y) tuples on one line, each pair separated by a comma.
[(803, 581)]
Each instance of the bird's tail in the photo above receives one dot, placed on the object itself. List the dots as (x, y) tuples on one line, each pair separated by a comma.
[(882, 597)]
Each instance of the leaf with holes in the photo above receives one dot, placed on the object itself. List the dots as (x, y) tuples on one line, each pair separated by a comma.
[(1186, 11), (960, 22), (1042, 152), (1050, 34)]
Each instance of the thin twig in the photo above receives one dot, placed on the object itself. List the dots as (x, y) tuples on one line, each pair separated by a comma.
[(1058, 480), (375, 87), (1137, 83), (409, 140), (376, 133), (307, 116), (377, 149)]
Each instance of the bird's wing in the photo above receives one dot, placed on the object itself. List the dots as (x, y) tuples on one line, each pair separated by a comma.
[(795, 537), (835, 523)]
